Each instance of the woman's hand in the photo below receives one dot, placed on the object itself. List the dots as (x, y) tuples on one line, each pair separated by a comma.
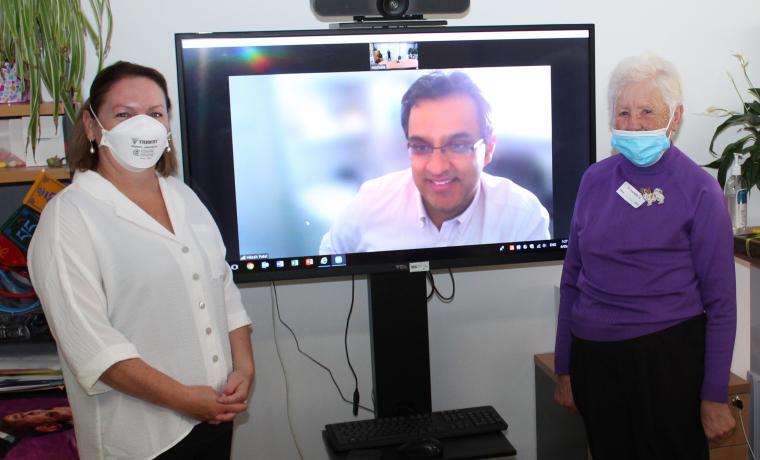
[(235, 391), (201, 402), (717, 420), (563, 393)]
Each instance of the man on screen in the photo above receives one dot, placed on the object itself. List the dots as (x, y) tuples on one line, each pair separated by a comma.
[(444, 198)]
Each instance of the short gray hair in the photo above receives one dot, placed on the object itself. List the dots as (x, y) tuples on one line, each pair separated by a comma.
[(645, 67)]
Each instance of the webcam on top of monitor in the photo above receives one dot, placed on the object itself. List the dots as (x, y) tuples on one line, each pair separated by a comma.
[(392, 8), (374, 10)]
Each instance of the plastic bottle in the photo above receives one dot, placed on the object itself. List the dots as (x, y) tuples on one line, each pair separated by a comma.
[(735, 191)]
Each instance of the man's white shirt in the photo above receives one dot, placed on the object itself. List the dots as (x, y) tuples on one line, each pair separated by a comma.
[(388, 214), (114, 285)]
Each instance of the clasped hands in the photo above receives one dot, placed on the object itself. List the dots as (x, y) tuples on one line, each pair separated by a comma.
[(208, 405)]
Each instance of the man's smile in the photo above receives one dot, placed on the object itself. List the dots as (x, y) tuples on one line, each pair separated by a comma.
[(441, 185)]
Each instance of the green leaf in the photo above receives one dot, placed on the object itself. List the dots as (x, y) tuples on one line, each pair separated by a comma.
[(752, 107), (728, 157), (48, 44), (714, 164), (749, 172), (752, 167), (725, 163), (733, 120), (755, 92), (737, 146)]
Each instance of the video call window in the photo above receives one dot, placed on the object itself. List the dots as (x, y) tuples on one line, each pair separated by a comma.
[(327, 134), (393, 56)]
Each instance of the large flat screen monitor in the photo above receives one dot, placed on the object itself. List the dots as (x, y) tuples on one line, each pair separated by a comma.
[(336, 152)]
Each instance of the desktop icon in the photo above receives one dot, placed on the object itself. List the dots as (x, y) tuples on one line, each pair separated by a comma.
[(519, 246), (234, 267), (294, 262), (511, 247), (250, 265), (264, 265), (339, 260), (309, 262), (531, 245), (501, 248), (279, 264), (324, 261)]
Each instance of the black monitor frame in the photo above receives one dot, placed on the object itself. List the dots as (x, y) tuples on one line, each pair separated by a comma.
[(395, 261)]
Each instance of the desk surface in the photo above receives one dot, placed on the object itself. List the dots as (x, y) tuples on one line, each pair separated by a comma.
[(494, 445)]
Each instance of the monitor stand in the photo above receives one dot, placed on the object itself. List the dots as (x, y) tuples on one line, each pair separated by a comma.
[(399, 343)]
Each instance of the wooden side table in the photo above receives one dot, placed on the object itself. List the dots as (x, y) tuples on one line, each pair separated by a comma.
[(560, 435)]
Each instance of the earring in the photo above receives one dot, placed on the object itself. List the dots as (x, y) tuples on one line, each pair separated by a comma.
[(92, 147), (168, 145)]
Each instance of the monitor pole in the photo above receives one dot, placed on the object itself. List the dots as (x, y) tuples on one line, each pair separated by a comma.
[(399, 343)]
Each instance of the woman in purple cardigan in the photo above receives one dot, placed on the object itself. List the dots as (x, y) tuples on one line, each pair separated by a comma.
[(647, 315)]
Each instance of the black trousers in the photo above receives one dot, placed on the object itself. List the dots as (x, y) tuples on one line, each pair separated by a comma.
[(205, 442), (640, 398)]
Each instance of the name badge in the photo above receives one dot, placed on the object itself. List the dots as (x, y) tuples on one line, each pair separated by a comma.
[(629, 193)]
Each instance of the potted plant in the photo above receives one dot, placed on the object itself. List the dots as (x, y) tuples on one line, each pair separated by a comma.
[(747, 123), (45, 40), (11, 85)]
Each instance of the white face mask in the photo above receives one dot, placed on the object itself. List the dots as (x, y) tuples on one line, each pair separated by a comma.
[(137, 143)]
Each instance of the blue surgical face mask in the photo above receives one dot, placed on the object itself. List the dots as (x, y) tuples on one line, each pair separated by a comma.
[(642, 148)]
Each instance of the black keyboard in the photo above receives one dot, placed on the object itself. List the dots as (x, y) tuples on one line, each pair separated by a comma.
[(379, 432)]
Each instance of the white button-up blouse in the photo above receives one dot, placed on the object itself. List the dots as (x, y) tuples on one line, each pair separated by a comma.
[(114, 285)]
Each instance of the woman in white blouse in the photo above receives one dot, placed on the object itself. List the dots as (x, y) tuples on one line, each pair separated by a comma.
[(153, 338)]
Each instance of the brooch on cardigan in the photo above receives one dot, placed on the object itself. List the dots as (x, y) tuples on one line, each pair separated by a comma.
[(652, 196)]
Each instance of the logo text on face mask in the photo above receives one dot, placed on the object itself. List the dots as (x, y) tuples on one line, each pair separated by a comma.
[(145, 141)]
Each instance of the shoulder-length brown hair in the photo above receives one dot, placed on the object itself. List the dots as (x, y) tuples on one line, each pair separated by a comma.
[(78, 151)]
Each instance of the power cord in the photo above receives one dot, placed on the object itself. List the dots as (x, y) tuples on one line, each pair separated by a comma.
[(285, 376), (312, 359), (435, 292), (357, 398), (739, 405)]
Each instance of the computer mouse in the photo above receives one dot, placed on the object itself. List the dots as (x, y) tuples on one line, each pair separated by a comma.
[(422, 448)]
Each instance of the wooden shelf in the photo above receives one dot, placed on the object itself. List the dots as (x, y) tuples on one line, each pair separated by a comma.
[(22, 110), (27, 175)]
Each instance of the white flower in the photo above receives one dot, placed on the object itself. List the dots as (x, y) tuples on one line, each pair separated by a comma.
[(713, 111), (742, 61)]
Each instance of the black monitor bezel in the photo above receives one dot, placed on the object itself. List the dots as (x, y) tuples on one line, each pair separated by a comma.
[(390, 261)]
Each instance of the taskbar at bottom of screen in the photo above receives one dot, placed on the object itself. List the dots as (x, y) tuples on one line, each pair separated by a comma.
[(532, 246), (258, 263), (287, 263)]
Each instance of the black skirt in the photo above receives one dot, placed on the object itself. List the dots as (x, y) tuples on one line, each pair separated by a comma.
[(640, 398), (205, 442)]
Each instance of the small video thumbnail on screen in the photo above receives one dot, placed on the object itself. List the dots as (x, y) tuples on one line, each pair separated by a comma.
[(324, 163), (393, 56)]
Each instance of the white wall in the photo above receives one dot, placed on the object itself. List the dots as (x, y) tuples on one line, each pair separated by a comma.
[(482, 344)]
